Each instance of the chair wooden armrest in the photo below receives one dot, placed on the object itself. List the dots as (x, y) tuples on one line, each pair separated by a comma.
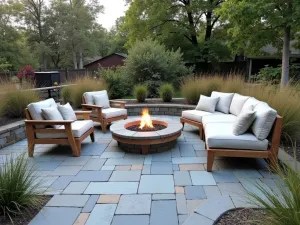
[(49, 122), (121, 103), (83, 114), (88, 106)]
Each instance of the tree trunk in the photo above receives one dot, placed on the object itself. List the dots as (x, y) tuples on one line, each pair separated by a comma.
[(208, 26), (286, 57), (192, 30), (80, 59), (74, 60)]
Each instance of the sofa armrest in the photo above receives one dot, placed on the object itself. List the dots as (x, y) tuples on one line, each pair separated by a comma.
[(83, 114), (121, 103)]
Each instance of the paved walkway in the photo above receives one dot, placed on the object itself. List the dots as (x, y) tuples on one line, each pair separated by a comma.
[(106, 186)]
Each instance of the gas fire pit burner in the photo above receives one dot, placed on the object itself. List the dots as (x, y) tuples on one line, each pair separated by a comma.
[(146, 135)]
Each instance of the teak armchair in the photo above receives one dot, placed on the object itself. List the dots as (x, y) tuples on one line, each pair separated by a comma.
[(104, 116), (66, 136)]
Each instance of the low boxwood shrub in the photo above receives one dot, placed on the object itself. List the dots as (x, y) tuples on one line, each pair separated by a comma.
[(166, 92), (140, 92), (19, 189), (73, 93)]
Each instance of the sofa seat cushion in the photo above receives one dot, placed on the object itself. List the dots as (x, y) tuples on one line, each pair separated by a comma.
[(113, 112), (79, 127), (197, 115), (219, 135), (218, 118)]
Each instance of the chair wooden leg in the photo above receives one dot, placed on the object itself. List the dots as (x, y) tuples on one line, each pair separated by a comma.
[(30, 139), (273, 162), (92, 135), (71, 140), (78, 146), (201, 133), (210, 161), (30, 148), (104, 126)]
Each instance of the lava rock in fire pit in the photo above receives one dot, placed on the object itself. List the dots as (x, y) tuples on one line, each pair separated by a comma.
[(155, 127)]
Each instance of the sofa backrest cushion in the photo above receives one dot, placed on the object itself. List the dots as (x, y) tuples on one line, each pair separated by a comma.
[(67, 112), (35, 109), (264, 120), (89, 97), (237, 104), (224, 102), (52, 113), (207, 104), (101, 100), (243, 120), (251, 102)]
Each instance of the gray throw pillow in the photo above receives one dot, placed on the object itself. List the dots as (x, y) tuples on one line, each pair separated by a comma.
[(224, 102), (207, 104), (67, 112), (244, 121), (52, 114)]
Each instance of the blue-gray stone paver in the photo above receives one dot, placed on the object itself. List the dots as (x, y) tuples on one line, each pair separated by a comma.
[(134, 204), (162, 157), (56, 215), (163, 213), (175, 152), (112, 188), (224, 176), (124, 161), (161, 168), (187, 152), (156, 184), (130, 220), (194, 192), (245, 173), (68, 200), (232, 189), (76, 161), (107, 167), (196, 219), (102, 175), (211, 191), (182, 178), (62, 182), (163, 197), (75, 188), (181, 204), (90, 204), (46, 166), (199, 147), (102, 214), (146, 169), (201, 153), (202, 178), (94, 151), (175, 167), (112, 155), (131, 175), (66, 170), (94, 164), (148, 160), (188, 160), (182, 218)]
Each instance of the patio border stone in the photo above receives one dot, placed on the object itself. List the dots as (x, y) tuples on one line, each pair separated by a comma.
[(12, 133)]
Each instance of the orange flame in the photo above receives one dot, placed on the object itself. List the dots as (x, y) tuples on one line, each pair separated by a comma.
[(146, 119)]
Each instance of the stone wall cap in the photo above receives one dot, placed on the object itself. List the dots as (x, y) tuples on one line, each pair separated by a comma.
[(11, 126)]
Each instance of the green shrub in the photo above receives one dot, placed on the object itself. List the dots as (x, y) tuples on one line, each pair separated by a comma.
[(15, 98), (73, 93), (19, 189), (281, 203), (140, 92), (152, 64), (166, 92), (117, 82)]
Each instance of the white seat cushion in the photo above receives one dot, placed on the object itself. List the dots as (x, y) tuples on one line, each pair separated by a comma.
[(219, 135), (265, 117), (113, 112), (89, 97), (197, 115), (35, 109), (218, 118), (79, 127), (224, 102), (237, 104)]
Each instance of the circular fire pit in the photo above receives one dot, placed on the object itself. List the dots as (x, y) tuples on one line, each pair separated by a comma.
[(133, 137)]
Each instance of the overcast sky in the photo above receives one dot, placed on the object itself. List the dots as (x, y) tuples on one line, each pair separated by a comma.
[(112, 10)]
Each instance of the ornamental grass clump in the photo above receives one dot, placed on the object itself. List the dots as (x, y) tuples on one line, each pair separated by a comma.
[(15, 98), (19, 190), (74, 92), (140, 92), (166, 92), (280, 200)]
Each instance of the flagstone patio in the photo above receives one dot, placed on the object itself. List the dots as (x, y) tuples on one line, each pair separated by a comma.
[(109, 187)]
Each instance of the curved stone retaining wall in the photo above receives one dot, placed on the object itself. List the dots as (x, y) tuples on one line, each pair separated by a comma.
[(158, 109), (12, 133)]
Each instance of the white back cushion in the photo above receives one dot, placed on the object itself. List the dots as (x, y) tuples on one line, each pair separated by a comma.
[(35, 109), (101, 100), (264, 120), (224, 102), (67, 112), (89, 96), (52, 113), (207, 104), (243, 121), (237, 104), (251, 102)]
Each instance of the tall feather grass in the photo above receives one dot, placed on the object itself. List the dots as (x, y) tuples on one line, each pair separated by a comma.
[(19, 190), (281, 203), (15, 98), (73, 93)]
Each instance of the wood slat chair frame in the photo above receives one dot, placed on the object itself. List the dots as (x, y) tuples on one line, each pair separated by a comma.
[(74, 142), (271, 153), (98, 110)]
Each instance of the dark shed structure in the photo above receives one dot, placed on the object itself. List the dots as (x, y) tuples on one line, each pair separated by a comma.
[(111, 61)]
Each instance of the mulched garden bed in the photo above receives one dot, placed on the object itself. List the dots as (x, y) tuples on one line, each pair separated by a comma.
[(242, 217), (26, 216)]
